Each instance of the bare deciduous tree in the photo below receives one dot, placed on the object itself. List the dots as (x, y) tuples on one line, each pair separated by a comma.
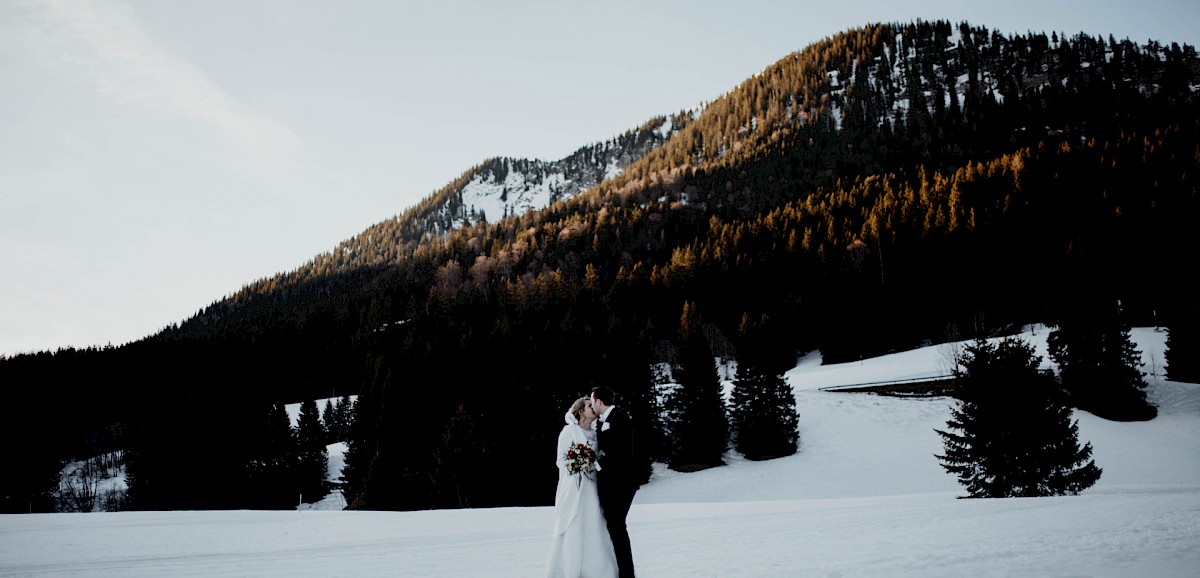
[(80, 489)]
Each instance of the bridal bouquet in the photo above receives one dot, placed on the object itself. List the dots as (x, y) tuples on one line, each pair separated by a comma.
[(581, 459)]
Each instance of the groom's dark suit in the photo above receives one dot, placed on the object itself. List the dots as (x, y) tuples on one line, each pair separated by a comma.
[(616, 483)]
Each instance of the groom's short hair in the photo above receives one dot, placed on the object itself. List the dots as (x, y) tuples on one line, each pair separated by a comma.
[(604, 394)]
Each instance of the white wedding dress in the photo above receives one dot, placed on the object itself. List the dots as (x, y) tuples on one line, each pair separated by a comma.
[(581, 548)]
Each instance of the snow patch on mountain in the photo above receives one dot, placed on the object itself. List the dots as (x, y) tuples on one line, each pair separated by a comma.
[(505, 187)]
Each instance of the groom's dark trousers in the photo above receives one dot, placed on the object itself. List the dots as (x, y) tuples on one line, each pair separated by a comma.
[(615, 504)]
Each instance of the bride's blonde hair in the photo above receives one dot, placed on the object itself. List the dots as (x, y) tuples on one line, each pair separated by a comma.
[(577, 408)]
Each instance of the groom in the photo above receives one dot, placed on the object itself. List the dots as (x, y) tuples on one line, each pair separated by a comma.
[(615, 482)]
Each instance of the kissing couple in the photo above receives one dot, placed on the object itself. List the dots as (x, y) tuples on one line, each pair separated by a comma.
[(596, 485)]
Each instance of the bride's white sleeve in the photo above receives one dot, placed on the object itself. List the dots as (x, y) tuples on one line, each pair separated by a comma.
[(564, 443)]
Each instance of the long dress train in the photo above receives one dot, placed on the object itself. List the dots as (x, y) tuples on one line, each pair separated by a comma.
[(581, 547)]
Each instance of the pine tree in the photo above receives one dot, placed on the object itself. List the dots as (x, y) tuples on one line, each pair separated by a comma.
[(362, 443), (31, 488), (174, 463), (343, 415), (458, 462), (327, 417), (763, 413), (763, 406), (627, 360), (1099, 364), (33, 462), (313, 465), (1015, 437), (273, 461), (699, 426)]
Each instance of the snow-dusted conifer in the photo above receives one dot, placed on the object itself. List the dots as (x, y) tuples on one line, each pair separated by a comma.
[(314, 458), (699, 425), (763, 406), (1012, 432), (1099, 364)]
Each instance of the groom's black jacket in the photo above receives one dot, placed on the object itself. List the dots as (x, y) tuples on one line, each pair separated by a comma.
[(617, 444)]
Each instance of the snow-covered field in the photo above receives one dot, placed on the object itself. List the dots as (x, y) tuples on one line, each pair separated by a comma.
[(864, 496)]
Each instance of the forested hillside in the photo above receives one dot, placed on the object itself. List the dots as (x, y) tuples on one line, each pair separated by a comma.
[(889, 186)]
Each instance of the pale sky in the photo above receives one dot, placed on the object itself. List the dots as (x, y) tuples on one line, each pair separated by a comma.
[(159, 155)]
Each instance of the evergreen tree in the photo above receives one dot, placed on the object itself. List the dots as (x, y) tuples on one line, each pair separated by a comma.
[(31, 488), (763, 405), (343, 416), (152, 458), (273, 461), (1015, 437), (763, 413), (458, 462), (313, 463), (632, 365), (362, 445), (1183, 346), (174, 462), (696, 408), (33, 465), (627, 361), (1099, 364), (327, 418)]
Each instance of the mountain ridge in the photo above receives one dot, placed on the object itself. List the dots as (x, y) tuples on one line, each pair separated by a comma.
[(893, 89), (532, 185)]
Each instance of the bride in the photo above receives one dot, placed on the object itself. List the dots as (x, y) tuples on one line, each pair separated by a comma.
[(581, 548)]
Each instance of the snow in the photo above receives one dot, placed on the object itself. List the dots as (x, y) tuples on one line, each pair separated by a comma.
[(668, 125), (835, 112), (335, 500), (864, 496), (612, 170)]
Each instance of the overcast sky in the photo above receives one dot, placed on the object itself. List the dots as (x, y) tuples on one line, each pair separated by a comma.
[(156, 156)]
